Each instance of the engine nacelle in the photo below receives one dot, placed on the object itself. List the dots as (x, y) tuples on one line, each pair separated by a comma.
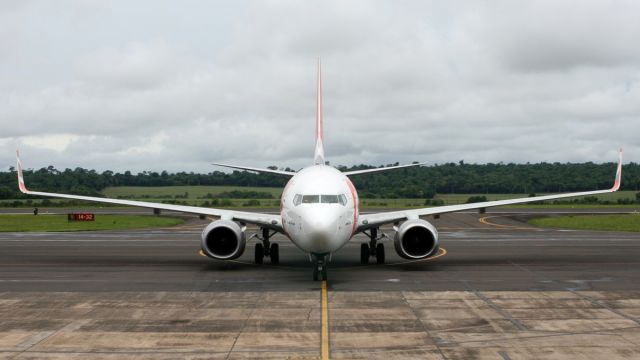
[(223, 240), (416, 239)]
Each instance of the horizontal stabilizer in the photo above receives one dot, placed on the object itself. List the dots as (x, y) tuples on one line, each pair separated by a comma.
[(367, 171), (260, 170)]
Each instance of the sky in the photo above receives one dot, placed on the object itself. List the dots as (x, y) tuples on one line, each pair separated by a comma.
[(154, 85)]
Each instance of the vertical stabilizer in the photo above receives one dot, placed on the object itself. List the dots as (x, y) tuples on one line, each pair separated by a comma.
[(318, 157)]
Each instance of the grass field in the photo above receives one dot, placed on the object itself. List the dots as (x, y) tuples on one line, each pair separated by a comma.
[(194, 192), (461, 198), (629, 222), (103, 222)]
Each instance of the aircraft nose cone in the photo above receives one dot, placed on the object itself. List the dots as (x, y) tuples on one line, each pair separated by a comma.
[(321, 229)]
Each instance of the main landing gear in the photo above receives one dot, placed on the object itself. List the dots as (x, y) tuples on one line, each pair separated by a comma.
[(319, 266), (266, 249), (373, 248)]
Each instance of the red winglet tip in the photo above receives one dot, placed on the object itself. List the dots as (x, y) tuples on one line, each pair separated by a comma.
[(21, 184), (618, 180)]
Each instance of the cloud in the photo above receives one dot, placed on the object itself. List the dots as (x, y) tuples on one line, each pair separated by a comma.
[(150, 85), (562, 35)]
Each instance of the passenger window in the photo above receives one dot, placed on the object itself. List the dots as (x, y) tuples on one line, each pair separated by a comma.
[(310, 199), (343, 200), (297, 200)]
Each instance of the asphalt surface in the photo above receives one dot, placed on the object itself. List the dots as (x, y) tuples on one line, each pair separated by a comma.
[(510, 255), (503, 290)]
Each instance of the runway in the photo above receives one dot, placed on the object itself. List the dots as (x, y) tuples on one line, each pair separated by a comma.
[(504, 290)]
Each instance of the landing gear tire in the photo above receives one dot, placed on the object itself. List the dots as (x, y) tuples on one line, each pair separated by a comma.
[(380, 254), (320, 272), (259, 253), (320, 266), (364, 253), (274, 253)]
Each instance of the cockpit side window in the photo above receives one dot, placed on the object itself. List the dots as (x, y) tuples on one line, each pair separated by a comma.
[(297, 200), (343, 199)]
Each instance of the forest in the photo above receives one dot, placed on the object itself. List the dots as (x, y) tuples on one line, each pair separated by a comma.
[(417, 182)]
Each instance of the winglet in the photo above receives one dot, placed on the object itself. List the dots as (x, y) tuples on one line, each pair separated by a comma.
[(21, 185), (616, 183), (318, 157)]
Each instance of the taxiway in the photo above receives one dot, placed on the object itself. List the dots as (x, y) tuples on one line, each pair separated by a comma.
[(504, 290)]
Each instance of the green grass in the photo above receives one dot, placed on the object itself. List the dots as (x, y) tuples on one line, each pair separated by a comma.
[(20, 223), (195, 192), (629, 222), (462, 198)]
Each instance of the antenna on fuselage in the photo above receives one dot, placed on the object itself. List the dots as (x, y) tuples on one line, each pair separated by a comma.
[(318, 157)]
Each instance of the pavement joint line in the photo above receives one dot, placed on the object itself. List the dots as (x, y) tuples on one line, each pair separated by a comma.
[(514, 336), (34, 340), (325, 321), (244, 325), (424, 328), (505, 314), (579, 294), (42, 336)]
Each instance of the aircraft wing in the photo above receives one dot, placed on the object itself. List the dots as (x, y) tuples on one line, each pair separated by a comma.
[(272, 221), (368, 221), (367, 171)]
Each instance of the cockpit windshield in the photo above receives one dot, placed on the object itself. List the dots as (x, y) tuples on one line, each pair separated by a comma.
[(310, 199), (320, 199), (329, 199)]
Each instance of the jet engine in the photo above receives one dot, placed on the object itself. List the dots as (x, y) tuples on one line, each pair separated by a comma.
[(416, 239), (223, 240)]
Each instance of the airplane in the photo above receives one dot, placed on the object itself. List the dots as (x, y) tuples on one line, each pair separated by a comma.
[(319, 213)]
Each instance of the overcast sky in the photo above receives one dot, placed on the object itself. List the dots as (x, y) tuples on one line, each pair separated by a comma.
[(152, 85)]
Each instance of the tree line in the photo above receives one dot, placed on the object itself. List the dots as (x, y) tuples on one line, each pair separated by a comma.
[(416, 182)]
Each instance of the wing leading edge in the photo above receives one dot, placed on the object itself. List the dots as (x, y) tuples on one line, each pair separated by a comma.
[(367, 221), (271, 221)]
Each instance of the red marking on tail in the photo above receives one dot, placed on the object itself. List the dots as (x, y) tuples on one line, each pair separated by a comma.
[(318, 157)]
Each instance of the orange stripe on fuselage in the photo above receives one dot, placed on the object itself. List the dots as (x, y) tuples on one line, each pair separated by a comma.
[(354, 196)]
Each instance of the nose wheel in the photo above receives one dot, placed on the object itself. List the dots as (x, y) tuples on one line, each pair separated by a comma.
[(319, 267)]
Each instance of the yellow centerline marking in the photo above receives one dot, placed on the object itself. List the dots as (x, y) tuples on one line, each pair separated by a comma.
[(441, 252), (325, 322), (484, 220)]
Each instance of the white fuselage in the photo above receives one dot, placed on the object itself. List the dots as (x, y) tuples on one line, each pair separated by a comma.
[(319, 209)]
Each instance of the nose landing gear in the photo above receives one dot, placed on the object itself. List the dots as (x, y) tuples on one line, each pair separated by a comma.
[(372, 248), (266, 249), (319, 266)]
